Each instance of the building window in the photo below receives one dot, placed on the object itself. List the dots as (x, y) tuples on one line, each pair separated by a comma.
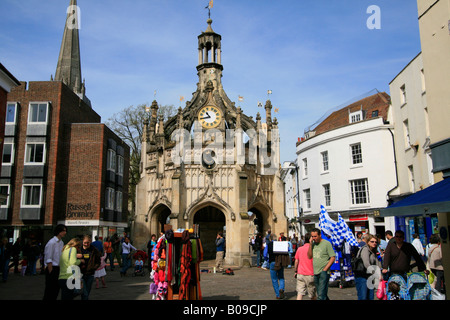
[(38, 113), (305, 167), (31, 195), (110, 199), (34, 153), (4, 190), (356, 153), (411, 178), (355, 116), (307, 198), (406, 133), (11, 113), (326, 190), (422, 78), (325, 160), (119, 201), (111, 160), (120, 165), (402, 94), (8, 154), (359, 191), (374, 113)]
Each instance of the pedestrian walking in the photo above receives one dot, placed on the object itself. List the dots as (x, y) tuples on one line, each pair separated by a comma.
[(98, 244), (24, 264), (16, 250), (435, 262), (323, 255), (369, 257), (150, 245), (127, 247), (419, 246), (107, 247), (258, 247), (220, 251), (116, 246), (277, 263), (69, 261), (92, 261), (5, 257), (100, 273), (52, 254), (304, 272), (398, 254)]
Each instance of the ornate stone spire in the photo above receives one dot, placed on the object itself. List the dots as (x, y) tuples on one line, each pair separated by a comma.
[(69, 61)]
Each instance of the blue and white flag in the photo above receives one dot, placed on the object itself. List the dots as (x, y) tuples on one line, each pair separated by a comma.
[(336, 231)]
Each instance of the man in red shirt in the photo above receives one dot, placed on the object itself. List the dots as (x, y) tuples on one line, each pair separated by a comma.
[(304, 272)]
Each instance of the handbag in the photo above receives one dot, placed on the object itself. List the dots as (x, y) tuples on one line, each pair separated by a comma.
[(381, 291), (358, 265)]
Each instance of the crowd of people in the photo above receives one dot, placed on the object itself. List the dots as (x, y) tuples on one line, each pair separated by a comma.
[(312, 258), (72, 268)]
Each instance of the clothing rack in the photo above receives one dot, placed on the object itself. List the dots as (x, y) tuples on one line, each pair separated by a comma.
[(178, 265)]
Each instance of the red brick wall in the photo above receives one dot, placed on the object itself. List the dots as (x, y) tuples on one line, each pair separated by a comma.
[(65, 107)]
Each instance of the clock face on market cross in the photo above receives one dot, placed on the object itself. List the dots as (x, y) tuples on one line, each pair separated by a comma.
[(209, 117)]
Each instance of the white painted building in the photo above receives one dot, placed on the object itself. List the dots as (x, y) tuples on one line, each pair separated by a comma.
[(347, 164), (289, 177)]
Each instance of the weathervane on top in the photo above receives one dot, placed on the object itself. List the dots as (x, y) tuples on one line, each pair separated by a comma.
[(209, 6)]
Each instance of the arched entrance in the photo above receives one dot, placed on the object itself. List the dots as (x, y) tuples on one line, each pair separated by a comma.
[(159, 218), (260, 220), (211, 221)]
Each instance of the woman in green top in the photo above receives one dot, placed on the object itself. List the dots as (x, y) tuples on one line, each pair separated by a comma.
[(69, 257)]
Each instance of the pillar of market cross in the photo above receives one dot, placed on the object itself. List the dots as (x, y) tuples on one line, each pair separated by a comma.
[(210, 165)]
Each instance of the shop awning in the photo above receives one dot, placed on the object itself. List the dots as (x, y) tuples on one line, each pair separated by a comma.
[(434, 199)]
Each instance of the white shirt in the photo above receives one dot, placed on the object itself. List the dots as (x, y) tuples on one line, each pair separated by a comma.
[(126, 248), (53, 251), (418, 245)]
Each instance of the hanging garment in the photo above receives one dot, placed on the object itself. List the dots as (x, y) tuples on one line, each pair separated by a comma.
[(185, 270)]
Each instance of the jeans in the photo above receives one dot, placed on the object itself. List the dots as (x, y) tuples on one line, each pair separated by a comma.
[(66, 293), (258, 258), (111, 260), (126, 263), (321, 281), (5, 270), (362, 290), (88, 280), (277, 277)]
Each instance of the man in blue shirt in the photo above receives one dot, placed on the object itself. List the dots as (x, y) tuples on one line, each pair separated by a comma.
[(98, 244), (220, 251)]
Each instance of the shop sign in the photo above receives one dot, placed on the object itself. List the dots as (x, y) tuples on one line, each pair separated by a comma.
[(358, 217), (79, 211)]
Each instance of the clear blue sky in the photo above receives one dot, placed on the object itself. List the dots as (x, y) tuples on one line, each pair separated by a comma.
[(313, 54)]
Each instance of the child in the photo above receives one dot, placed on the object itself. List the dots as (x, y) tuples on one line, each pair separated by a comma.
[(101, 272), (24, 264), (394, 289), (139, 264)]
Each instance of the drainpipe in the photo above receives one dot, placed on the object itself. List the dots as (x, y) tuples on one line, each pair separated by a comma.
[(395, 163)]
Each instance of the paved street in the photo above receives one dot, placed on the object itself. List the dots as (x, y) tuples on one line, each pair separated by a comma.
[(245, 284)]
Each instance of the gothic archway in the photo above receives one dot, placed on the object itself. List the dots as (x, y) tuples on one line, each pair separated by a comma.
[(160, 217), (210, 220), (260, 218)]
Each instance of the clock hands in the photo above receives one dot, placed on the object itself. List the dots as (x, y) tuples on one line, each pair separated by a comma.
[(208, 117)]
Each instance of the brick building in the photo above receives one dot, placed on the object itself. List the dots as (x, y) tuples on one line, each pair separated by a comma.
[(60, 164)]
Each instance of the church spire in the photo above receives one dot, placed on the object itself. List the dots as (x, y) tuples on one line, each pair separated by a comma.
[(69, 61)]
